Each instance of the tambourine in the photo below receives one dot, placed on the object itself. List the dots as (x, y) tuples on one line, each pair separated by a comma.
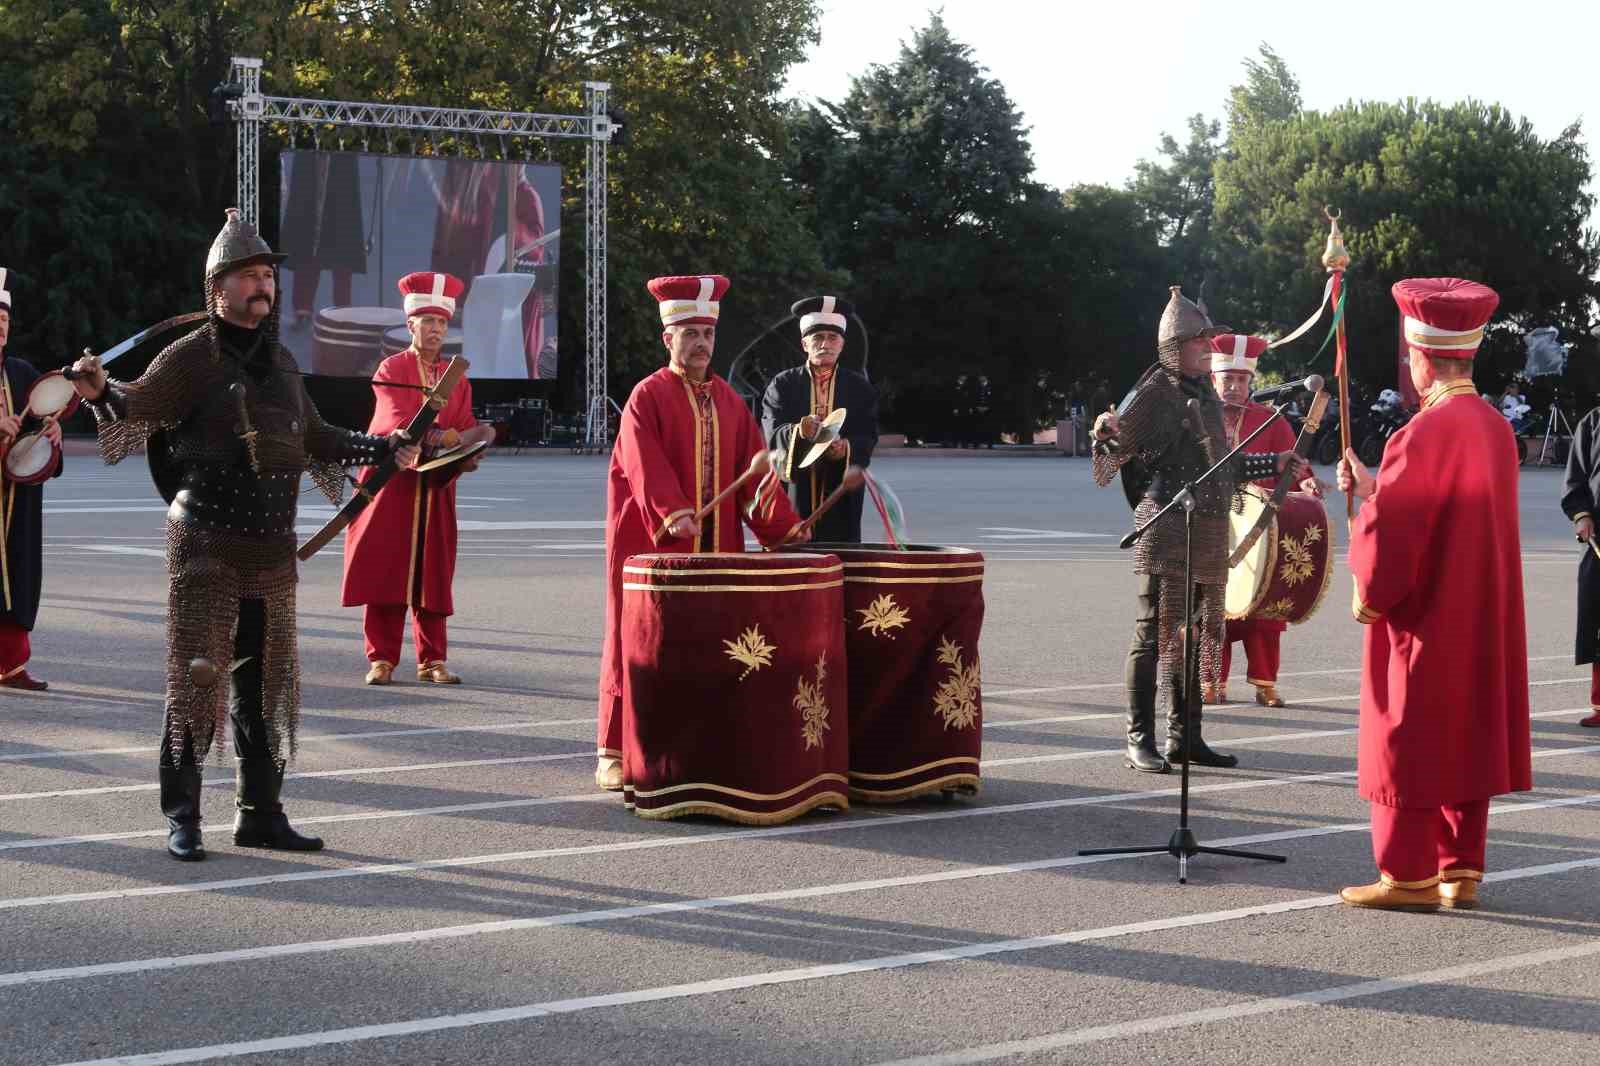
[(32, 459)]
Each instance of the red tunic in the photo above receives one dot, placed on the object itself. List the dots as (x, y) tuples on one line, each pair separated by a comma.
[(657, 476), (401, 550), (1436, 556)]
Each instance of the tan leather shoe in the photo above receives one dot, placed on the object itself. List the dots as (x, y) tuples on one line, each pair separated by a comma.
[(1267, 696), (1459, 895), (1387, 895), (1214, 694), (381, 673), (436, 673), (608, 774)]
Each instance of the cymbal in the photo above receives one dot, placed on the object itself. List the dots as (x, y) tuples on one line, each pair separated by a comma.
[(454, 455), (827, 433)]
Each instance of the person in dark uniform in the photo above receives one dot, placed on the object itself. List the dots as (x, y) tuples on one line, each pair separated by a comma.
[(1578, 501)]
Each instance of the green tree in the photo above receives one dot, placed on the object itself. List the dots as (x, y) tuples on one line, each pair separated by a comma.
[(1270, 93), (1425, 189), (1178, 196)]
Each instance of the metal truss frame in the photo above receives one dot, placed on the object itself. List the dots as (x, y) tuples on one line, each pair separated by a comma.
[(249, 109)]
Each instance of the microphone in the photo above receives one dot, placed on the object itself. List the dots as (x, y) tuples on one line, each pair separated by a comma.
[(1313, 383)]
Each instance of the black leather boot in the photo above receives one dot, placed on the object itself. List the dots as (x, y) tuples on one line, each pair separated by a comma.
[(1142, 754), (261, 822), (180, 802), (1140, 676), (1200, 753)]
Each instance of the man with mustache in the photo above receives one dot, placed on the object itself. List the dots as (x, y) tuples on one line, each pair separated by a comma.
[(229, 430), (685, 435), (797, 401), (400, 553), (21, 520)]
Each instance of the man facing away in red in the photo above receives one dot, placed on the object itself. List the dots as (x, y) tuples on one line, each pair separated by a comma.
[(685, 436), (1436, 557), (400, 552)]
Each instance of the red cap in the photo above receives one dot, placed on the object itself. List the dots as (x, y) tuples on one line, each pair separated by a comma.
[(688, 300), (1445, 317), (429, 292), (1236, 351)]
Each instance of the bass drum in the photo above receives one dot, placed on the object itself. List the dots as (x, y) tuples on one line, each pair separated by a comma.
[(1286, 572)]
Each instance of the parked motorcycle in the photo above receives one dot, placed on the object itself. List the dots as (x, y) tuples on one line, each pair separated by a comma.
[(1388, 414)]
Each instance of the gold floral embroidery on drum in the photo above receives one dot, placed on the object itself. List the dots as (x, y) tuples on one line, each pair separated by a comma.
[(1278, 611), (957, 698), (1298, 563), (882, 615), (812, 703), (751, 650)]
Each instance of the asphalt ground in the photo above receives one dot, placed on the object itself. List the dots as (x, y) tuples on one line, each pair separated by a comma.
[(480, 902)]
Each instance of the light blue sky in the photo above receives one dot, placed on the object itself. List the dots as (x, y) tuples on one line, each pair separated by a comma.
[(1099, 82)]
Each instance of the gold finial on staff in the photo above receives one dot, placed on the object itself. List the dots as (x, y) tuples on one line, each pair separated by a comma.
[(1334, 256)]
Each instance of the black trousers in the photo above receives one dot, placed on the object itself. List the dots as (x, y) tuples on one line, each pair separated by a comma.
[(249, 726), (1144, 662)]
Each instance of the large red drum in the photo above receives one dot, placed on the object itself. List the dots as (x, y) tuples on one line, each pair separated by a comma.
[(912, 622), (1284, 575), (733, 691)]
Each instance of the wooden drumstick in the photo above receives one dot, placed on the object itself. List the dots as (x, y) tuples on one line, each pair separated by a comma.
[(760, 463), (854, 478)]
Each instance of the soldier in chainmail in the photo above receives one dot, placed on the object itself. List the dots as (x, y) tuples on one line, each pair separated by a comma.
[(1168, 432), (229, 431)]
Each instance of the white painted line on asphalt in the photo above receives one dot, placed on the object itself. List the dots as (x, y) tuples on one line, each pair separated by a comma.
[(120, 549), (650, 910), (650, 843), (361, 816), (1298, 673), (769, 978), (346, 772), (323, 738)]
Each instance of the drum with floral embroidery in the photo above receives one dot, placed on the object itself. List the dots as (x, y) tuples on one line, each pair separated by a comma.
[(733, 690), (1283, 576), (912, 620)]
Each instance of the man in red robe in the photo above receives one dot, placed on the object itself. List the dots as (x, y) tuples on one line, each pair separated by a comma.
[(400, 552), (685, 436), (1436, 557), (1233, 368)]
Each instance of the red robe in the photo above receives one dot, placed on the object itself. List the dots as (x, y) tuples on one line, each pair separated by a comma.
[(401, 550), (1437, 561), (655, 478)]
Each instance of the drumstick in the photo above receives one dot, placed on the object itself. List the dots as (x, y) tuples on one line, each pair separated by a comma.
[(760, 463), (854, 478)]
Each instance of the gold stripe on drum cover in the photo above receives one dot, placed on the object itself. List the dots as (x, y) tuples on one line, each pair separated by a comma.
[(912, 580), (752, 572), (914, 770), (629, 586), (913, 566), (743, 817), (938, 784), (741, 793)]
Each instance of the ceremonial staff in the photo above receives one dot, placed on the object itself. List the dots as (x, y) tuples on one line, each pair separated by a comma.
[(1335, 258)]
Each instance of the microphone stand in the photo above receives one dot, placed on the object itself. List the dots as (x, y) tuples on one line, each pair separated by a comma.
[(1183, 845)]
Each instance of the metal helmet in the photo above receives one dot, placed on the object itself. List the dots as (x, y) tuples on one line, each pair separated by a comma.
[(1183, 320), (238, 244)]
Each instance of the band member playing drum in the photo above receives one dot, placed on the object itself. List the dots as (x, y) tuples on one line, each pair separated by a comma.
[(1436, 556), (1579, 501), (685, 436), (1233, 370), (21, 511), (1170, 430)]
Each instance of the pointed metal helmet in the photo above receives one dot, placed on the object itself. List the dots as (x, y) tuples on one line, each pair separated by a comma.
[(1183, 320), (238, 244)]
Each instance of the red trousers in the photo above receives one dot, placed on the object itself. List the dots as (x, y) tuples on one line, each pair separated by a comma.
[(1261, 639), (1594, 698), (14, 648), (1416, 846), (610, 739), (384, 626)]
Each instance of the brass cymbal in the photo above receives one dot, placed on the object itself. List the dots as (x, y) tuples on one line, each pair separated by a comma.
[(827, 433)]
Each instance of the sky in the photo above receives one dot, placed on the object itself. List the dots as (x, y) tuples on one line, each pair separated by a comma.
[(1099, 82)]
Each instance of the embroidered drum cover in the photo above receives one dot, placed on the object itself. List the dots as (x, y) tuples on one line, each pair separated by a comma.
[(733, 692), (912, 622)]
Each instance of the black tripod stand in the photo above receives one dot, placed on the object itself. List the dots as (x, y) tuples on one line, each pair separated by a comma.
[(1183, 844)]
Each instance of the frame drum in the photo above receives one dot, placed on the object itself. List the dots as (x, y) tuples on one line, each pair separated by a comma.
[(51, 394), (32, 459)]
